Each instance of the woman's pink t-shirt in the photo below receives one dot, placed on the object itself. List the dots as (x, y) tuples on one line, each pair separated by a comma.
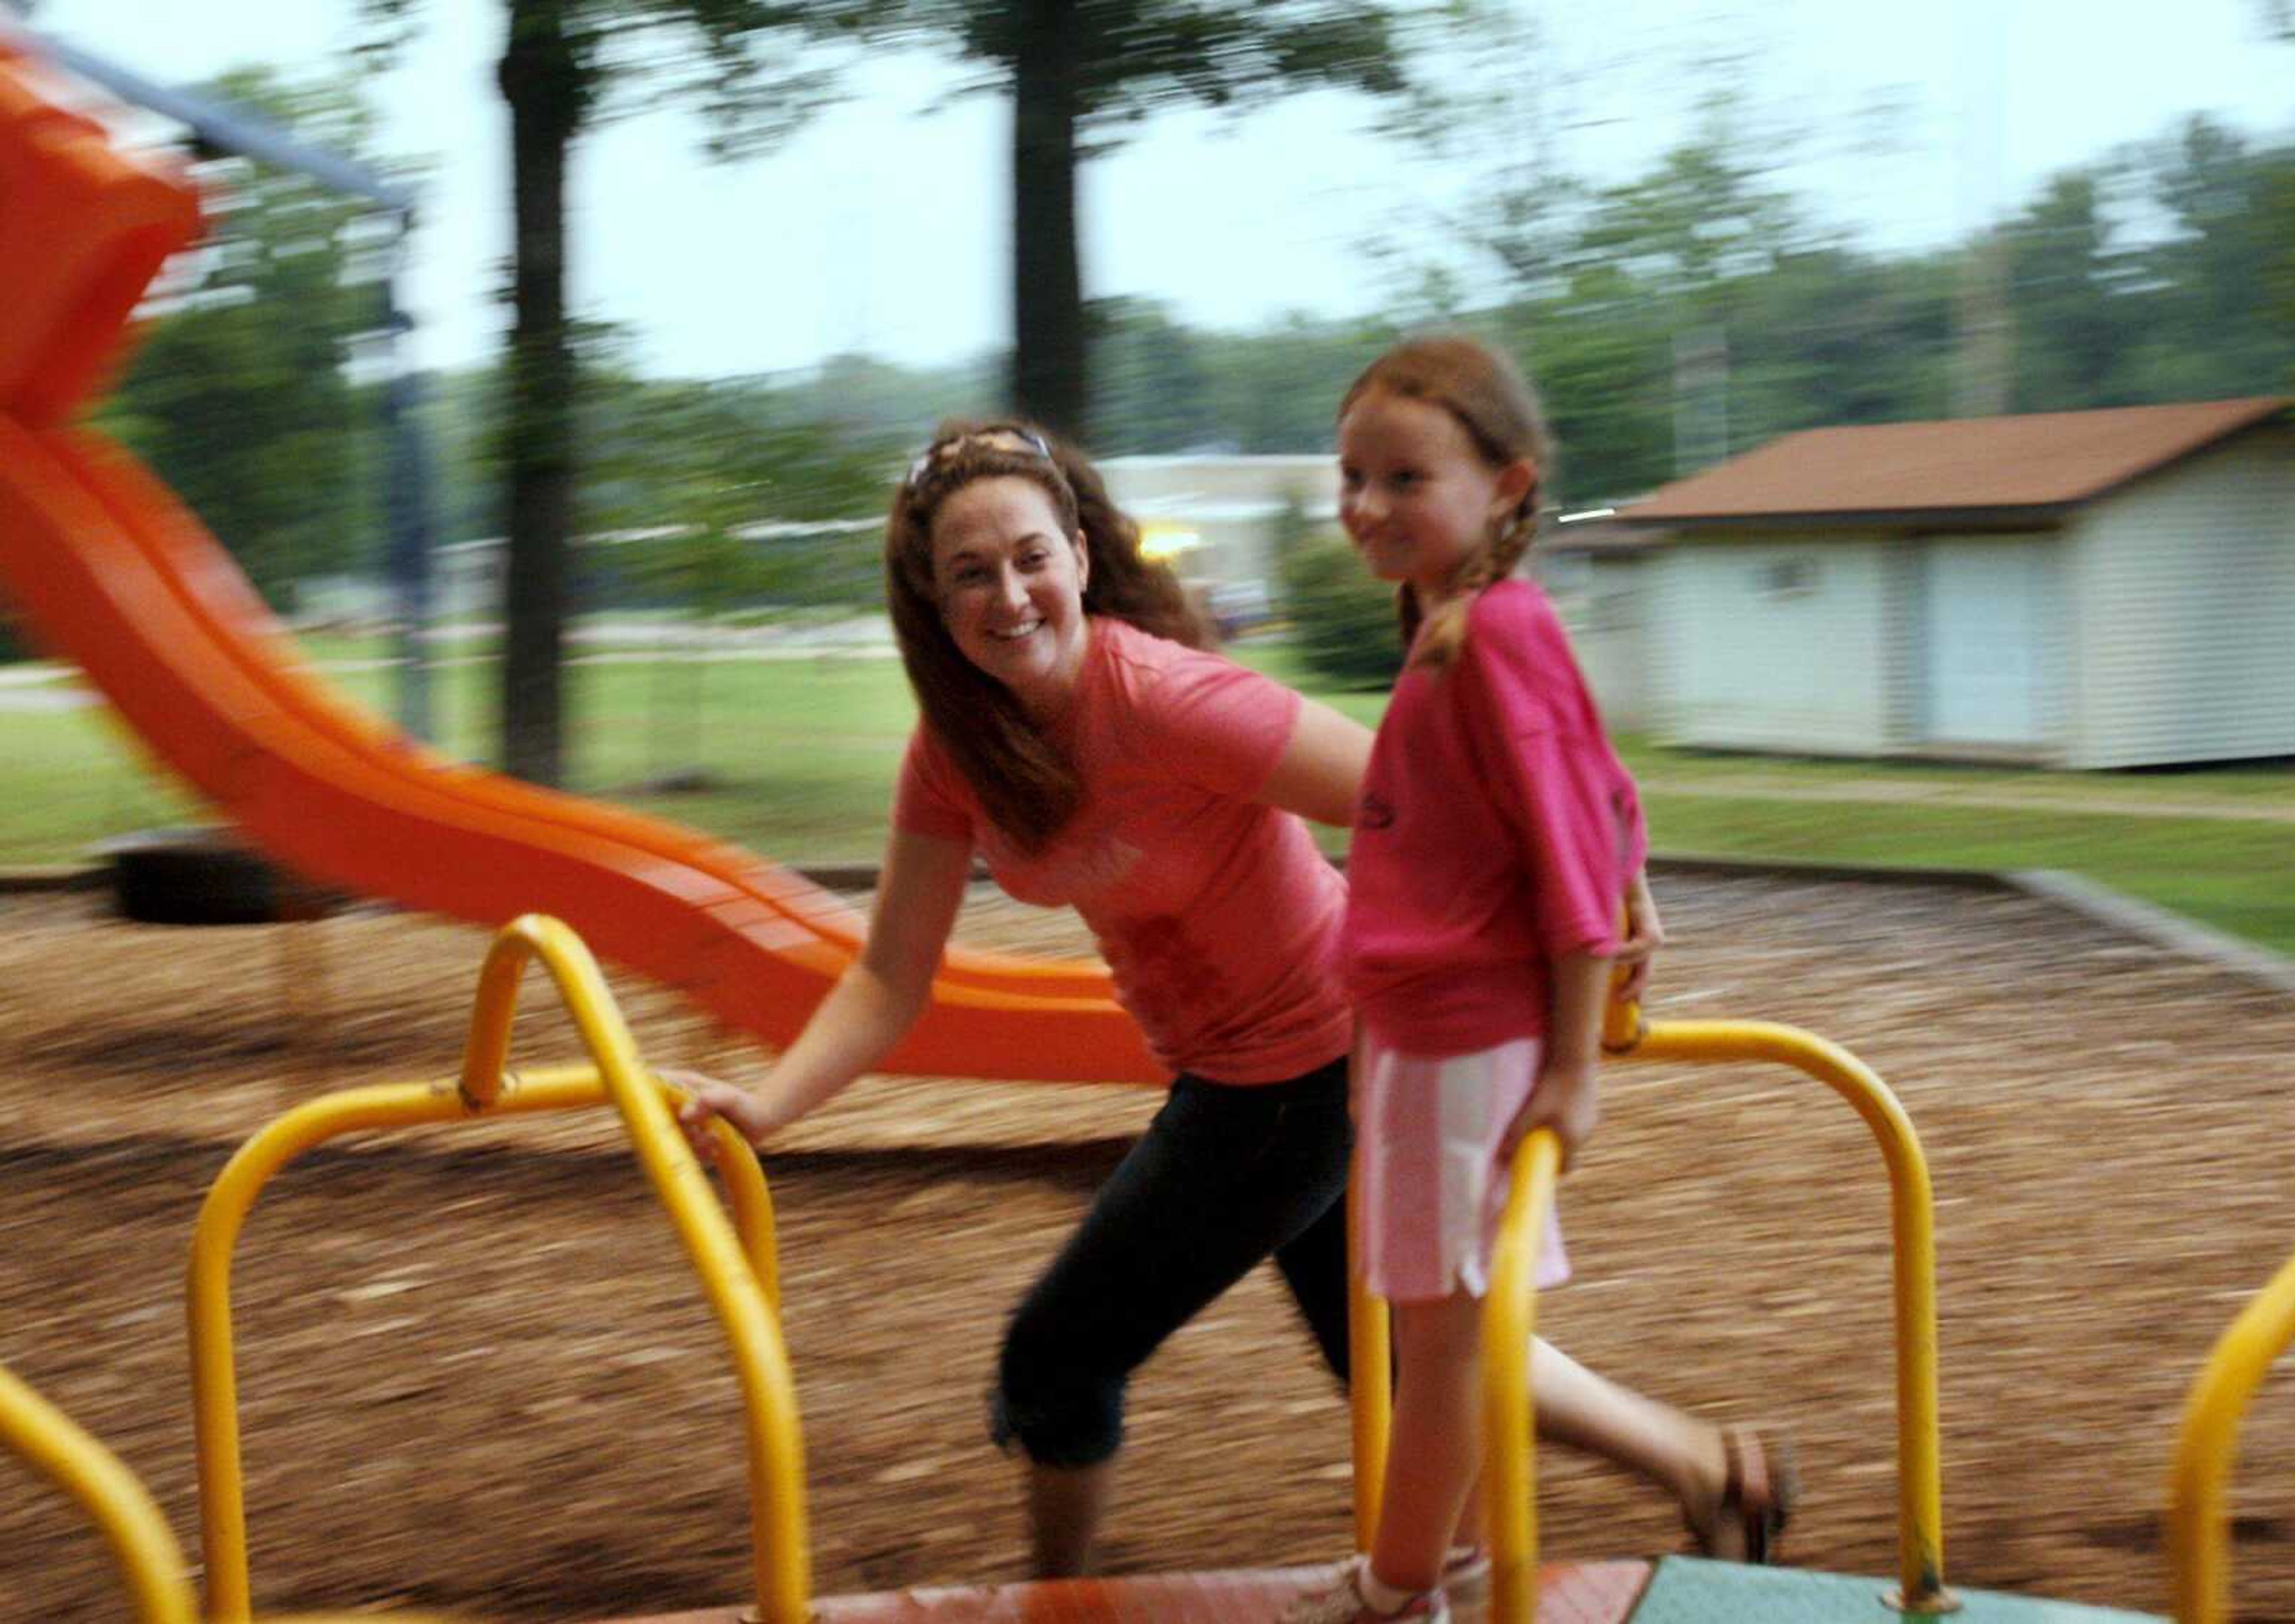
[(1218, 918), (1498, 830)]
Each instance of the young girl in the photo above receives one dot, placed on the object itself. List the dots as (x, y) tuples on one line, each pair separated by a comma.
[(1496, 840)]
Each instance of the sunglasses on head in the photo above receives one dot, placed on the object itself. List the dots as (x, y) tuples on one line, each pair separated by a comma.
[(996, 436)]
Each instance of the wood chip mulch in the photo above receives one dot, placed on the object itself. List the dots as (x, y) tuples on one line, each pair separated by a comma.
[(474, 1375)]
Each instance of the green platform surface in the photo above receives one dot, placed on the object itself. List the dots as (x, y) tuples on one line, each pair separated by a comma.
[(1686, 1590)]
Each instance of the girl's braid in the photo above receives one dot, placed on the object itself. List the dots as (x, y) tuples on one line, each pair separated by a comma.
[(1492, 564)]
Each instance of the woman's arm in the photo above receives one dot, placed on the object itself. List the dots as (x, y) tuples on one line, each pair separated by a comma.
[(870, 1008), (1320, 772)]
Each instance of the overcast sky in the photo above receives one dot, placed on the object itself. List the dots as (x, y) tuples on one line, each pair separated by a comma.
[(883, 227)]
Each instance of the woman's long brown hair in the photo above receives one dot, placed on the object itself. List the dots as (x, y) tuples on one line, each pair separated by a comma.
[(1491, 400), (1026, 784)]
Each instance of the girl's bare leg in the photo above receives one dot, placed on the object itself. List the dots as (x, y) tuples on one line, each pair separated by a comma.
[(1589, 1412), (1585, 1411), (1435, 1450)]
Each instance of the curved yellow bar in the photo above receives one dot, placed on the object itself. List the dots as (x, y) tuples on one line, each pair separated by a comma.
[(779, 1549), (741, 1289), (1509, 1438), (486, 1072), (1510, 1319), (2199, 1565), (145, 1550), (145, 1546), (1370, 1385), (1920, 1483)]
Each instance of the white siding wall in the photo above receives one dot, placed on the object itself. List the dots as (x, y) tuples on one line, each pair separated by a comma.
[(1904, 583), (1776, 644), (2184, 612), (1990, 620), (1605, 601)]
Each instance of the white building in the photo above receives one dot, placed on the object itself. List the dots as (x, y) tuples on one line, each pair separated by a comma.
[(1599, 572), (2084, 589), (1218, 519)]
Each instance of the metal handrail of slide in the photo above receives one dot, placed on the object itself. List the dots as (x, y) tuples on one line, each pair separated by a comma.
[(2199, 1559), (1509, 1316), (735, 1261)]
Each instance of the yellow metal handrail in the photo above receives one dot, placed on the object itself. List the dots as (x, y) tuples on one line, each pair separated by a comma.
[(2199, 1561), (141, 1545), (1370, 1383), (1912, 1214), (1511, 1312), (738, 1275), (1509, 1433)]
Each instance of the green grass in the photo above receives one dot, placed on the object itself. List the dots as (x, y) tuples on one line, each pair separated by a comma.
[(2238, 878), (2209, 786), (69, 779), (799, 757)]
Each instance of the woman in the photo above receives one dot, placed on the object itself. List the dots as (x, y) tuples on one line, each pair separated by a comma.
[(1076, 736)]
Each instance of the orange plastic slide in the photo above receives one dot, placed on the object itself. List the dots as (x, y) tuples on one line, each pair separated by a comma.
[(111, 570)]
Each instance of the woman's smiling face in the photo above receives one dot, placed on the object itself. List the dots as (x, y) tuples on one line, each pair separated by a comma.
[(1010, 584)]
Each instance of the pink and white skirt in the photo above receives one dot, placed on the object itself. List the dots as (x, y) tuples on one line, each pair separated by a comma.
[(1429, 1190)]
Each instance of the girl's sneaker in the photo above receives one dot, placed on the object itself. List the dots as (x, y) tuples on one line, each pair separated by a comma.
[(1466, 1572), (1342, 1601)]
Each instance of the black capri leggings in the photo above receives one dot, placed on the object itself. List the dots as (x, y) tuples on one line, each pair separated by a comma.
[(1224, 1176)]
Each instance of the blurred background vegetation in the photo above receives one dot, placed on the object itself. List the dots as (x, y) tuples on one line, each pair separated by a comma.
[(257, 421), (703, 511)]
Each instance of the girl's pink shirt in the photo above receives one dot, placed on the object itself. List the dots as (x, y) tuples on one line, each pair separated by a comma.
[(1498, 830), (1218, 917)]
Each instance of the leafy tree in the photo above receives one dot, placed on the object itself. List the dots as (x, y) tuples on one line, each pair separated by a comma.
[(876, 400), (2069, 300), (2277, 204), (686, 473), (1277, 391), (747, 62), (460, 417), (239, 396), (1830, 335), (1600, 281), (1604, 378), (1079, 70), (1147, 379), (2213, 328), (1701, 221), (1524, 213), (1343, 620), (709, 462)]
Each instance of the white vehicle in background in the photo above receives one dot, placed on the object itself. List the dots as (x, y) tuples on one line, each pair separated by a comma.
[(1240, 607)]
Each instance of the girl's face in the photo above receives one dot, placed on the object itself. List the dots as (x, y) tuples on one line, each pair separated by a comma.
[(1010, 587), (1415, 495)]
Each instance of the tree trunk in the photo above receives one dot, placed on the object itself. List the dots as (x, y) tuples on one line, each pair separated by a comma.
[(544, 81), (1048, 334)]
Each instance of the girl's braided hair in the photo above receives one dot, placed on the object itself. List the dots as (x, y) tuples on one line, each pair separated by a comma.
[(1483, 390)]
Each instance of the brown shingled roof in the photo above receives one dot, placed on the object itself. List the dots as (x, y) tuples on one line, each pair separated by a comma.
[(2044, 460)]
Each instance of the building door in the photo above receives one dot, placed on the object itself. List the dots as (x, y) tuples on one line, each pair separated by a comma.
[(1986, 609)]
